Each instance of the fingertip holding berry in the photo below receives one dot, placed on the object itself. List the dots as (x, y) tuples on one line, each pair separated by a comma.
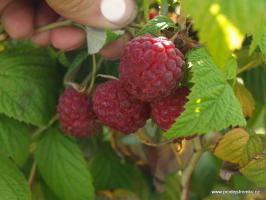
[(118, 109), (165, 111), (76, 114), (151, 67), (118, 12)]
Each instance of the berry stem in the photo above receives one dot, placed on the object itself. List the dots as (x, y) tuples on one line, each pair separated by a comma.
[(94, 66), (54, 25), (164, 7), (72, 72), (91, 77), (47, 27), (39, 131), (186, 175), (32, 175)]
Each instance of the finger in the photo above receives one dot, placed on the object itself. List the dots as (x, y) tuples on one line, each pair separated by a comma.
[(43, 16), (115, 49), (67, 38), (97, 13), (3, 4), (17, 19)]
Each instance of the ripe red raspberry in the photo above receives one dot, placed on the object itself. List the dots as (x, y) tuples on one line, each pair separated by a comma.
[(153, 13), (151, 68), (118, 109), (165, 111), (76, 115)]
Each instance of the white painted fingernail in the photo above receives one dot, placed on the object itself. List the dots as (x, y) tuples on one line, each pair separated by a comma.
[(118, 11)]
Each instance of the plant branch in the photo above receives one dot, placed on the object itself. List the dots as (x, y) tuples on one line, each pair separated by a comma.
[(32, 175), (249, 65), (186, 175)]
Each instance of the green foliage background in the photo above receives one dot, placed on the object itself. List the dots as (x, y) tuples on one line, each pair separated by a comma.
[(231, 48)]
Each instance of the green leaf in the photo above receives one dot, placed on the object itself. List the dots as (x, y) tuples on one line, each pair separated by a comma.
[(212, 104), (237, 146), (222, 24), (205, 174), (262, 44), (253, 147), (255, 81), (97, 38), (255, 171), (14, 139), (29, 83), (112, 35), (230, 68), (62, 166), (110, 172), (156, 25), (171, 192), (13, 185)]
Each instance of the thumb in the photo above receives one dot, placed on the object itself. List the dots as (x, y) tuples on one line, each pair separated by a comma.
[(97, 13)]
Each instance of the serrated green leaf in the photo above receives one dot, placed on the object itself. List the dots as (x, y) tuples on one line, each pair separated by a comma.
[(13, 184), (62, 166), (230, 69), (110, 172), (255, 171), (237, 146), (255, 81), (112, 35), (156, 25), (14, 139), (222, 24), (29, 83), (252, 148), (262, 44), (212, 104), (97, 38)]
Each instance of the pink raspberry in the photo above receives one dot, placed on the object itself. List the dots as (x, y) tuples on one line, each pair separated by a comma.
[(75, 113), (151, 68), (165, 111), (118, 109)]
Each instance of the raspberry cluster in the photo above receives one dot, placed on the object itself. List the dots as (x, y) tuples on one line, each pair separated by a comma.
[(150, 72)]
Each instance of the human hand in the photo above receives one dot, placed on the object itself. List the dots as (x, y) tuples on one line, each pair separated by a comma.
[(21, 17)]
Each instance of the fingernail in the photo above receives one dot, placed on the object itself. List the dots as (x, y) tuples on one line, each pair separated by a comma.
[(119, 11)]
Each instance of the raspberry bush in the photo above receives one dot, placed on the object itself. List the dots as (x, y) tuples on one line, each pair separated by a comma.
[(180, 115)]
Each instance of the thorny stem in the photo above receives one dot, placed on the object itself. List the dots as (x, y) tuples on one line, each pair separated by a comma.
[(249, 65), (32, 175), (186, 175)]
